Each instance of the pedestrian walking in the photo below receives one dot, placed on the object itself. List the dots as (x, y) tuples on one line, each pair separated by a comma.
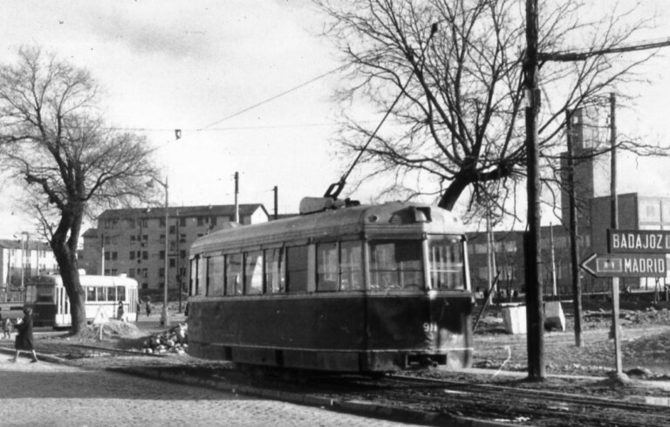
[(138, 308), (24, 339), (7, 328), (119, 311), (148, 307)]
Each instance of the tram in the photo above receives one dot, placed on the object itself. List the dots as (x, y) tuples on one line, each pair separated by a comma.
[(51, 305), (359, 289)]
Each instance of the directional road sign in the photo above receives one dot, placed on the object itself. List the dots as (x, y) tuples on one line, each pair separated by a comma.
[(625, 265), (638, 241)]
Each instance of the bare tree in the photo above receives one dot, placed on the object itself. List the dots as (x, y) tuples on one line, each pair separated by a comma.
[(459, 122), (54, 140)]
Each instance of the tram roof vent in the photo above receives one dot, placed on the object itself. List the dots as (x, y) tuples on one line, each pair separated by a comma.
[(411, 215)]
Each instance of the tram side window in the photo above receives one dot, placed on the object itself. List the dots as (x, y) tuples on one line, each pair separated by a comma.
[(111, 294), (446, 263), (215, 265), (396, 265), (193, 285), (90, 293), (202, 276), (234, 274), (253, 272), (121, 293), (327, 267), (351, 261), (275, 270), (296, 268)]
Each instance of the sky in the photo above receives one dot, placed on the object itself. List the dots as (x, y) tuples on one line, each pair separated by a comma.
[(191, 65)]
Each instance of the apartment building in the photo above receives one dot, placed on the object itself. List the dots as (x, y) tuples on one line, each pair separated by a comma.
[(132, 241)]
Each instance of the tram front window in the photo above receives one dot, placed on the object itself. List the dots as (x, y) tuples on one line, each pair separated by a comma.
[(446, 262), (396, 265)]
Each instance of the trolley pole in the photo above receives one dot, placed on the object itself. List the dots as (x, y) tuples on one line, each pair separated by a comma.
[(534, 307)]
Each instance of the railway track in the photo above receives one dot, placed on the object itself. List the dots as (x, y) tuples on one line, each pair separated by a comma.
[(439, 399), (544, 407)]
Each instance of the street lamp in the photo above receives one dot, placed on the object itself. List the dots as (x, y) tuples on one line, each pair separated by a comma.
[(165, 320)]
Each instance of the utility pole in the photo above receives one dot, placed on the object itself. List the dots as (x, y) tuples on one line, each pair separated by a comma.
[(614, 224), (534, 305), (554, 287), (276, 201), (165, 319), (574, 248), (237, 190)]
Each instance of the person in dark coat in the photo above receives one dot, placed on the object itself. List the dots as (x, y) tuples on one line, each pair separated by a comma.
[(24, 338)]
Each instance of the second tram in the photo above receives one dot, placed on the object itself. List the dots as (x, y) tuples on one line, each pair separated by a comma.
[(51, 305)]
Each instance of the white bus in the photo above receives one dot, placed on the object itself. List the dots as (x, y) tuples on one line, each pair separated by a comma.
[(103, 294)]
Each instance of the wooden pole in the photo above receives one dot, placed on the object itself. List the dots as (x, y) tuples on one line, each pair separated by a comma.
[(614, 223), (574, 248), (534, 305)]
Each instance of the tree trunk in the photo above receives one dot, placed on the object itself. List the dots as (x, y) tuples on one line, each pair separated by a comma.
[(64, 244), (453, 192)]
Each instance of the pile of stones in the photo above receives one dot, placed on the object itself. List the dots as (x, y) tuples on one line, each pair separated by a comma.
[(174, 340)]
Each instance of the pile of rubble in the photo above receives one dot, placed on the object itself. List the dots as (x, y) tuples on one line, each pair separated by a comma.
[(174, 340), (648, 316), (629, 318)]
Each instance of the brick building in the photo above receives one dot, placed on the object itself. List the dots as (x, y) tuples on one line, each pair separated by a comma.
[(132, 241)]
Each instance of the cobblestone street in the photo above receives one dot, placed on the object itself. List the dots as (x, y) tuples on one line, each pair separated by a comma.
[(50, 394)]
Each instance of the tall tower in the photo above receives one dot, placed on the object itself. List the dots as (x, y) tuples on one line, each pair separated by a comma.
[(592, 163)]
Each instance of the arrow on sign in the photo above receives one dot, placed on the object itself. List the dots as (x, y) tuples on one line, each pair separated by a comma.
[(625, 265)]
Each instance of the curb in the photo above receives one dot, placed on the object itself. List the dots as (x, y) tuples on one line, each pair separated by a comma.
[(40, 356), (346, 406)]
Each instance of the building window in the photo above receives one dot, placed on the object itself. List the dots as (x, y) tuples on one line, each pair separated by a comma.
[(182, 222), (201, 220), (182, 238), (161, 222), (173, 262), (145, 255), (161, 272), (131, 255), (131, 272), (162, 238), (107, 255), (161, 255), (173, 229), (212, 221), (143, 223), (182, 254), (145, 286), (115, 256)]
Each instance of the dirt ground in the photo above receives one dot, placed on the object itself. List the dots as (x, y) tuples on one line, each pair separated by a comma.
[(645, 345)]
